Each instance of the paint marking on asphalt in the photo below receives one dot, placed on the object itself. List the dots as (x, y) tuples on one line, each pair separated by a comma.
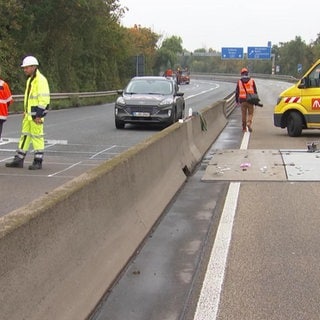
[(16, 140), (102, 151), (216, 86), (64, 170), (245, 141), (208, 303)]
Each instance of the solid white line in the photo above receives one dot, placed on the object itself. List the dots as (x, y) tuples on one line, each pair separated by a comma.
[(245, 141), (208, 303)]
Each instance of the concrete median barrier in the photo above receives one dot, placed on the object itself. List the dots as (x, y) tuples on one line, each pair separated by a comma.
[(60, 253)]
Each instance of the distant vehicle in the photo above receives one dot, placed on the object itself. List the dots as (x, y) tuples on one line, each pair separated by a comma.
[(185, 77), (298, 107), (154, 100)]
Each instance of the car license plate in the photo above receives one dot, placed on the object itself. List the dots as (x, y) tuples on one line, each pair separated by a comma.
[(141, 114)]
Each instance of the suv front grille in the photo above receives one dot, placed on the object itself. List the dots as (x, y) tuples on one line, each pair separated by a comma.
[(149, 109)]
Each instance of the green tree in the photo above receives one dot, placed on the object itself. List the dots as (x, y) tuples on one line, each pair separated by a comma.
[(293, 53), (10, 26), (78, 47), (142, 41), (167, 54), (173, 44), (82, 46), (315, 47)]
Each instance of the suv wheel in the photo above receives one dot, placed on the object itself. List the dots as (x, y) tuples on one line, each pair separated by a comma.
[(119, 124), (174, 116)]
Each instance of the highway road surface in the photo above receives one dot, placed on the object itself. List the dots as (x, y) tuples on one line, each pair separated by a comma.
[(79, 139), (241, 239)]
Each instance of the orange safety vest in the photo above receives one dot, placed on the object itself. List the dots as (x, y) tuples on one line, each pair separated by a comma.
[(248, 88), (5, 99)]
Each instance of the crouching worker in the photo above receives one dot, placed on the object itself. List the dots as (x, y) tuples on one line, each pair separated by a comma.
[(36, 102)]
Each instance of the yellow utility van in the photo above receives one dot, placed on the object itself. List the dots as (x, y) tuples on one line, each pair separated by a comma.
[(298, 107)]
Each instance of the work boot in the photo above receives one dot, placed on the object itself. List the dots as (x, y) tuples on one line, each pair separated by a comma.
[(15, 163), (36, 164)]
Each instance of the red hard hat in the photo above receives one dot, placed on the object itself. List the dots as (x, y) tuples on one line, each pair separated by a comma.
[(244, 70)]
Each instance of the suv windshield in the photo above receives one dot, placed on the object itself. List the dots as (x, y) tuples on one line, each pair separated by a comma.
[(149, 87)]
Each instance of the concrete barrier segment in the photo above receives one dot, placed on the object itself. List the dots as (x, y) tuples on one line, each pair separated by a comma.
[(215, 119), (61, 252)]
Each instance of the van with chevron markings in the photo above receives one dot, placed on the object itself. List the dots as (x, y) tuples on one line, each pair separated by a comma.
[(298, 107)]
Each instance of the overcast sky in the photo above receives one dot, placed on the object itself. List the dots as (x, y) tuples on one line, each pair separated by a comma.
[(222, 23)]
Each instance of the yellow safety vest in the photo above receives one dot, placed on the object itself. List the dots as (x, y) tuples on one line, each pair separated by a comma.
[(36, 96)]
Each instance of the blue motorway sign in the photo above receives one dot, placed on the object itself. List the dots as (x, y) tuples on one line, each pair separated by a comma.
[(259, 53), (232, 53)]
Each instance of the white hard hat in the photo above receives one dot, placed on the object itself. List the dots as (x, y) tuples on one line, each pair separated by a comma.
[(29, 61)]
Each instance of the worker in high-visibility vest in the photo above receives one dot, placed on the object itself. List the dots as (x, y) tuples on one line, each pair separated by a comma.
[(5, 101), (36, 103), (245, 85)]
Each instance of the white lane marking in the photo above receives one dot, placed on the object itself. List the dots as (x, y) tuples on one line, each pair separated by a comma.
[(216, 86), (208, 303), (64, 170), (102, 151), (5, 159), (245, 141), (16, 140)]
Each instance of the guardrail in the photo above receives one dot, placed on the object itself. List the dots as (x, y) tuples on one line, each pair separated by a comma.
[(234, 77), (230, 101), (212, 76), (69, 95), (230, 104)]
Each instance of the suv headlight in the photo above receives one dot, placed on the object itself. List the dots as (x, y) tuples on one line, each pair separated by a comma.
[(166, 102), (121, 101)]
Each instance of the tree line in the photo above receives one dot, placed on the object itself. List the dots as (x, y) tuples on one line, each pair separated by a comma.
[(286, 57), (82, 46)]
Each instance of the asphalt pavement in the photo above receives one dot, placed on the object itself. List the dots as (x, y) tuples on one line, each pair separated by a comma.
[(266, 268), (270, 270)]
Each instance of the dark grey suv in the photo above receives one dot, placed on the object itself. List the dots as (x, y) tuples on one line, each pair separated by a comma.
[(149, 99)]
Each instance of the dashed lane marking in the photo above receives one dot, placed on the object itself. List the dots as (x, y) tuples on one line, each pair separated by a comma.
[(64, 170)]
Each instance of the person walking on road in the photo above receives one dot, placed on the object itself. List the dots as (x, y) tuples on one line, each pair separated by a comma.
[(36, 103), (245, 85), (5, 101)]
